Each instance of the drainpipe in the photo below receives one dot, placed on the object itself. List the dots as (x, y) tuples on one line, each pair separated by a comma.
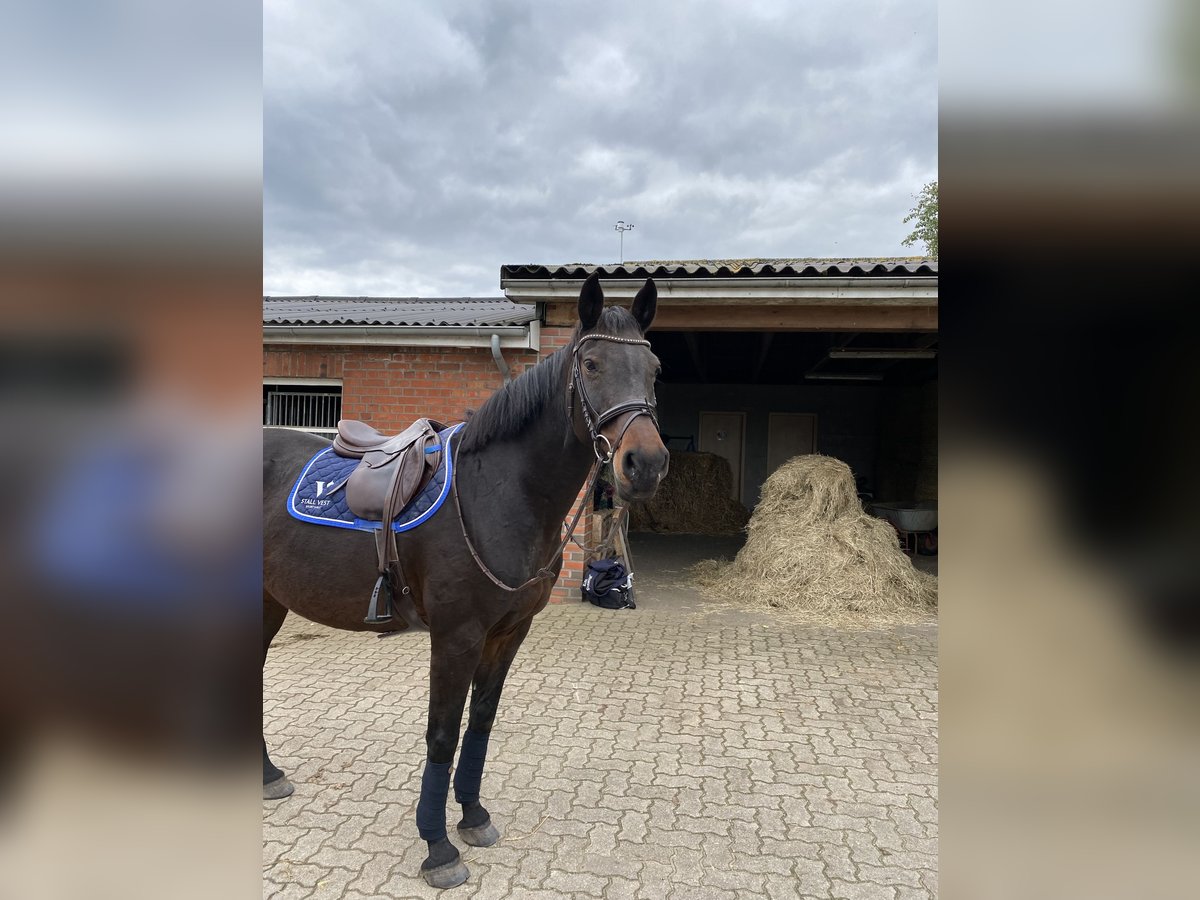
[(499, 358)]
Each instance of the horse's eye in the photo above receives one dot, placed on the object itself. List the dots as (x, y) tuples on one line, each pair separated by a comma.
[(590, 366)]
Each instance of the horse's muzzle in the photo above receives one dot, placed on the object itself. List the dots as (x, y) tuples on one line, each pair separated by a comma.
[(640, 462)]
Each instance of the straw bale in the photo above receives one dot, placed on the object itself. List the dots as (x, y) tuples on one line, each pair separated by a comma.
[(694, 498), (813, 552)]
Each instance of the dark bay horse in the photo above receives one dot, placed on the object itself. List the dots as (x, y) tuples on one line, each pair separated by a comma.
[(521, 462)]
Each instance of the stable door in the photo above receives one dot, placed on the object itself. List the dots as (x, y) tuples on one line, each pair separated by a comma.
[(724, 433)]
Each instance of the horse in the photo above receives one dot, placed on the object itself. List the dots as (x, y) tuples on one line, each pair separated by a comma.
[(483, 566)]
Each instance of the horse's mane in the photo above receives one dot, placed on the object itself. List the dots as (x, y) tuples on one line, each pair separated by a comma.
[(513, 408)]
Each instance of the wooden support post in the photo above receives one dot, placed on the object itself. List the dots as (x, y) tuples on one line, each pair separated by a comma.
[(621, 542)]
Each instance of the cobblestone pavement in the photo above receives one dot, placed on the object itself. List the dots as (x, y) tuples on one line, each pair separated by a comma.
[(658, 753)]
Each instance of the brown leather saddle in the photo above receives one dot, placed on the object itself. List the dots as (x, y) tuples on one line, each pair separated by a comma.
[(393, 470)]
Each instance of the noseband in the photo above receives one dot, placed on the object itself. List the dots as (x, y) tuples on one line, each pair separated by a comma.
[(596, 421)]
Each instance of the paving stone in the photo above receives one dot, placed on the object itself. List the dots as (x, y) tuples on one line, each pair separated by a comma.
[(332, 885), (378, 869), (329, 857), (811, 878), (862, 891), (732, 756), (576, 883), (291, 891)]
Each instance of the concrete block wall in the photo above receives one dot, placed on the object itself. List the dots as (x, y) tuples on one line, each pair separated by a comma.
[(847, 420), (908, 443)]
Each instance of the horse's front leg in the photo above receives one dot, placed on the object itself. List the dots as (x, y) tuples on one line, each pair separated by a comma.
[(449, 678), (476, 827)]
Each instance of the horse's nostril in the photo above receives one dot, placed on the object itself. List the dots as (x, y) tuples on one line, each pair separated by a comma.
[(630, 462)]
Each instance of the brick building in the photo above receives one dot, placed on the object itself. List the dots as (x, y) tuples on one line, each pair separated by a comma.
[(762, 359)]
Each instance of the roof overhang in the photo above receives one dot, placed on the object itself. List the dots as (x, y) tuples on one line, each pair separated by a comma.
[(512, 337), (837, 303), (912, 290)]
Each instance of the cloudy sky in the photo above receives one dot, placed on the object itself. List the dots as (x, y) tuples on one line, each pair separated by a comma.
[(412, 148)]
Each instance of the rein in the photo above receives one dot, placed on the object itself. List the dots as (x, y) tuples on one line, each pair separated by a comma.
[(594, 423)]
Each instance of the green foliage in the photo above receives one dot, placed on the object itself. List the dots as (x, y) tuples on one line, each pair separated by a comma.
[(925, 213)]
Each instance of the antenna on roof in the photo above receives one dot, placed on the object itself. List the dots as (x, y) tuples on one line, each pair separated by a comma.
[(622, 228)]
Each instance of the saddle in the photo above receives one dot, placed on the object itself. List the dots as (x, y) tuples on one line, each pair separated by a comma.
[(392, 470)]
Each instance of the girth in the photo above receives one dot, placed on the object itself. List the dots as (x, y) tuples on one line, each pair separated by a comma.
[(392, 471)]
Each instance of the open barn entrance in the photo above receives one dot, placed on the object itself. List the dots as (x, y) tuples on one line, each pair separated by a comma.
[(735, 405)]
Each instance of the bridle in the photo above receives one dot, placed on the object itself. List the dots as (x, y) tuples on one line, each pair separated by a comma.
[(594, 422)]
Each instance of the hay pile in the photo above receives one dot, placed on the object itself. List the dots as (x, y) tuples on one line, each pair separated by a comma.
[(814, 552), (692, 499)]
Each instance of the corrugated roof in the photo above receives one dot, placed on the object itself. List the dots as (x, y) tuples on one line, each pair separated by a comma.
[(723, 268), (399, 311)]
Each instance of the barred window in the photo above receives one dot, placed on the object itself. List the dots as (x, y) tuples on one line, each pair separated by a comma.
[(312, 406)]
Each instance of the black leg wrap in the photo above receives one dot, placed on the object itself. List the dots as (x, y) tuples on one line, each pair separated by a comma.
[(469, 774), (431, 809)]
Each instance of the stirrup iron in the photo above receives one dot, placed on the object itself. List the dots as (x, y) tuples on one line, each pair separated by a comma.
[(375, 616)]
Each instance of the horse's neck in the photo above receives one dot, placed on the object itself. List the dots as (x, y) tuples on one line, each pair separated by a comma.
[(530, 485)]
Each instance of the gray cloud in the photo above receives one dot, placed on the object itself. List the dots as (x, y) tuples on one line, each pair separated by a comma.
[(413, 148)]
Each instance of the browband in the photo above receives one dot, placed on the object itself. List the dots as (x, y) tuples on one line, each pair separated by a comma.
[(595, 421)]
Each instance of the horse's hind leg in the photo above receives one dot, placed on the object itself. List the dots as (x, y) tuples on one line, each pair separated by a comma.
[(275, 784), (476, 827), (449, 679)]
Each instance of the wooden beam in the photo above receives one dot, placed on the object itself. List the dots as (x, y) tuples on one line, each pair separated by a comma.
[(621, 540), (881, 353), (776, 318), (853, 290), (782, 318), (841, 342)]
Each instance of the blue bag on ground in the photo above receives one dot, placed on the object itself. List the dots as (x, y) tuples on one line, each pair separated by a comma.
[(607, 584)]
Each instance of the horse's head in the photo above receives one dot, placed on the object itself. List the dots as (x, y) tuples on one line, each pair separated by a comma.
[(613, 373)]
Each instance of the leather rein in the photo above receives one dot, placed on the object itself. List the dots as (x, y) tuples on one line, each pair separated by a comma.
[(594, 422)]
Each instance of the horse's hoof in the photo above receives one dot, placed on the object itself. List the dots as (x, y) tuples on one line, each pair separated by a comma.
[(481, 835), (447, 875), (278, 789)]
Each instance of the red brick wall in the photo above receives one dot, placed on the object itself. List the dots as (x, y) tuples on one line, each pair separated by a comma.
[(389, 387), (567, 587)]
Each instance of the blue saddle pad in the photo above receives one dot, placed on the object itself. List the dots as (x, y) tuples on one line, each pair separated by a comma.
[(319, 495)]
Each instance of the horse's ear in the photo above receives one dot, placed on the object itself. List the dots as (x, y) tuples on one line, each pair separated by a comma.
[(644, 305), (591, 302)]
